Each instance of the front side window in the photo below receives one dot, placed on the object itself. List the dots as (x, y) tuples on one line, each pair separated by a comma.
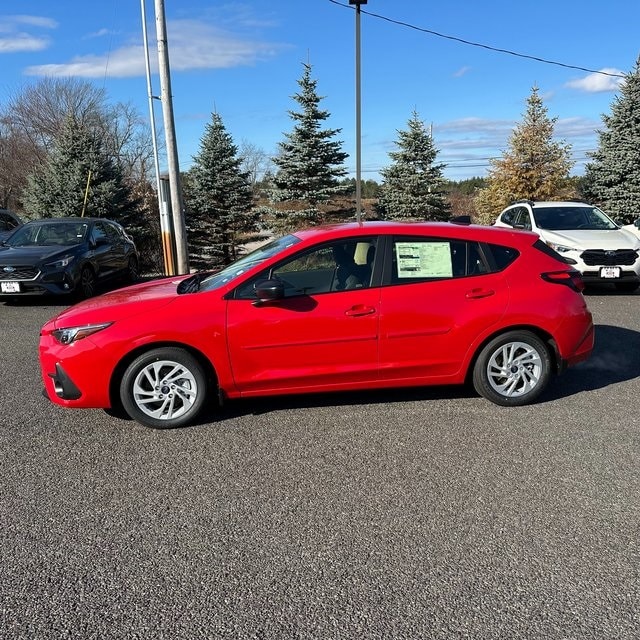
[(335, 266), (242, 265), (98, 234), (508, 217), (523, 220)]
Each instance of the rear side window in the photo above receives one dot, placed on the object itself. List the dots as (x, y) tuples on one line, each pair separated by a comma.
[(419, 259), (502, 256)]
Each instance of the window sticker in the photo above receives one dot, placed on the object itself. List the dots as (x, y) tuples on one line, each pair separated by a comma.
[(424, 260)]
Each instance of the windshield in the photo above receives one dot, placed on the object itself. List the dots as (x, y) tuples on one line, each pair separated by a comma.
[(571, 218), (237, 268), (63, 234)]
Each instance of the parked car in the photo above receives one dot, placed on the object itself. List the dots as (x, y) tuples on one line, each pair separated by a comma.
[(345, 307), (9, 222), (586, 237), (65, 256)]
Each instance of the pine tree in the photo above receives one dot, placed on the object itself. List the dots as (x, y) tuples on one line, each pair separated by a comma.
[(413, 186), (218, 198), (534, 167), (612, 180), (78, 169), (309, 163)]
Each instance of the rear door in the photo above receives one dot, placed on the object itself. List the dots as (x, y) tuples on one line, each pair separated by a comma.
[(440, 296)]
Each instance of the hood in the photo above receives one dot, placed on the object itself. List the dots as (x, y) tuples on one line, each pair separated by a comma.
[(19, 256), (608, 239), (138, 299)]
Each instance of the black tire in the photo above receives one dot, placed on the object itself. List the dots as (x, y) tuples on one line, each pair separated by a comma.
[(132, 270), (513, 369), (627, 287), (164, 388), (87, 284)]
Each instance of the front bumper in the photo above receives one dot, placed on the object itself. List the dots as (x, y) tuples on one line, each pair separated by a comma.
[(52, 283), (63, 385), (76, 375), (593, 275)]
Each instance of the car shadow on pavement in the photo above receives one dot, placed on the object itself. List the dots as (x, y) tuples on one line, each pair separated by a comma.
[(259, 406), (615, 358)]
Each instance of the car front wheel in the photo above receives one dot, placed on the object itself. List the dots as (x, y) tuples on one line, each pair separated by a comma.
[(87, 285), (132, 269), (513, 369), (164, 388)]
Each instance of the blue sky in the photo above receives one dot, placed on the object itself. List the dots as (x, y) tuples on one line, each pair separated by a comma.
[(243, 60)]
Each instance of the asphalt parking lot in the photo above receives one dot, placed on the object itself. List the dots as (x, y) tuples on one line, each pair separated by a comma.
[(418, 514)]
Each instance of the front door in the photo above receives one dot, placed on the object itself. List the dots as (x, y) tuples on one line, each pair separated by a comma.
[(320, 336)]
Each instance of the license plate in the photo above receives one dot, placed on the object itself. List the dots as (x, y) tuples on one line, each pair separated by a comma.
[(10, 287), (610, 272)]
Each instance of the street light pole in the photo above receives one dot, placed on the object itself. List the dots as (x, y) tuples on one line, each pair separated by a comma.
[(358, 3)]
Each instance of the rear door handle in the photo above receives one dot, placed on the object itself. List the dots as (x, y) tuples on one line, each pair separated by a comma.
[(360, 310), (480, 293)]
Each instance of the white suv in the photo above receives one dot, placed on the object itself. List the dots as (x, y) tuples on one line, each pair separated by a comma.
[(584, 236)]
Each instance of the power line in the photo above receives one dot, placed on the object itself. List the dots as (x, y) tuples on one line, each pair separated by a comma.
[(480, 45)]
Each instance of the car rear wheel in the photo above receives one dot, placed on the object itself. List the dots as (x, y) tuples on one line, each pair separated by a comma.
[(513, 369), (164, 388)]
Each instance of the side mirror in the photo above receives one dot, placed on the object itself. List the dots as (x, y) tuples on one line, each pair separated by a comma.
[(636, 223), (269, 290)]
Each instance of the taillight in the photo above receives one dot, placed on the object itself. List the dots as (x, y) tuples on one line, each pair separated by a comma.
[(572, 279)]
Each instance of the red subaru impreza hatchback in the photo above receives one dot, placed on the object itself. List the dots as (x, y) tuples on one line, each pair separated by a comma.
[(343, 307)]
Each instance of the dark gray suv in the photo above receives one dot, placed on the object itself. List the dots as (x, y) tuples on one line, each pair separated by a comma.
[(65, 256)]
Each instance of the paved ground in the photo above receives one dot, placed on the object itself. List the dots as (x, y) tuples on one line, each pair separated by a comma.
[(423, 514)]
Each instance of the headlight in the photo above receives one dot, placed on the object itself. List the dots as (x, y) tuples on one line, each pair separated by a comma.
[(560, 248), (71, 334), (60, 263)]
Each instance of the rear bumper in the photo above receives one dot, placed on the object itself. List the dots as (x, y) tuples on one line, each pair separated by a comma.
[(582, 352)]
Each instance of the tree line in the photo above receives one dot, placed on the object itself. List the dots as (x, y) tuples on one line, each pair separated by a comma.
[(64, 150)]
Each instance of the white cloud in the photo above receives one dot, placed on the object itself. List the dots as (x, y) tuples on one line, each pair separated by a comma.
[(576, 127), (123, 63), (474, 125), (597, 82), (22, 42), (14, 39), (34, 21), (462, 71), (192, 45), (99, 34)]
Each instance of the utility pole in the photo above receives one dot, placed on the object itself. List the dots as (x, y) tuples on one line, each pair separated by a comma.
[(165, 220), (358, 114), (177, 208)]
